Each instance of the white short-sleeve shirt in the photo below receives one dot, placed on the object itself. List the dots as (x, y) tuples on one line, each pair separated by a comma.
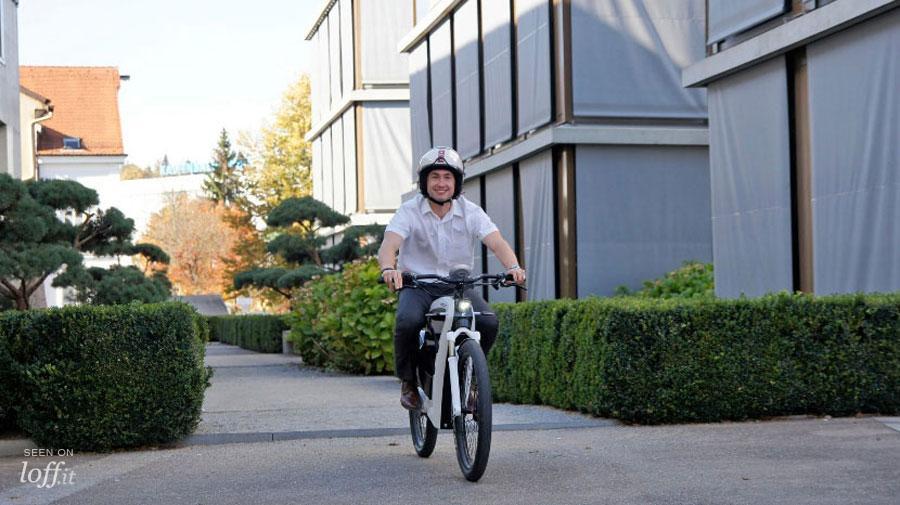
[(432, 245)]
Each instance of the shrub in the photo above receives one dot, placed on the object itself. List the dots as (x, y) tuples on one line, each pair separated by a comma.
[(98, 378), (256, 332), (691, 280), (345, 321), (652, 361)]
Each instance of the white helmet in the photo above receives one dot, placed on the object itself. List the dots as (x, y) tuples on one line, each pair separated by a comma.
[(443, 158)]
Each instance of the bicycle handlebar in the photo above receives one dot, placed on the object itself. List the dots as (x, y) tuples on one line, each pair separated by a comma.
[(494, 279)]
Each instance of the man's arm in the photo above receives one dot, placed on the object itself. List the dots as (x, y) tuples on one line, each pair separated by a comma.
[(387, 259), (501, 249)]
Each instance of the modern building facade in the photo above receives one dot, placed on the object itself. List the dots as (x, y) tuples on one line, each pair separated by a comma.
[(804, 118), (360, 104), (581, 142), (10, 149)]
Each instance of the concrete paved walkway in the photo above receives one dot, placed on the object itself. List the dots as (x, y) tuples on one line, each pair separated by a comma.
[(258, 397)]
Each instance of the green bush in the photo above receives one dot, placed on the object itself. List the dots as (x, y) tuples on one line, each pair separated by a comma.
[(691, 280), (256, 332), (664, 361), (345, 321), (98, 378)]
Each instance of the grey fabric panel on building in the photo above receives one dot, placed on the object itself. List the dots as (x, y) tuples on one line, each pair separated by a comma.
[(349, 125), (386, 153), (317, 168), (855, 138), (382, 24), (418, 104), (538, 225), (334, 52), (441, 85), (422, 8), (751, 181), (347, 76), (472, 192), (642, 211), (496, 32), (533, 75), (327, 169), (729, 17), (645, 46), (337, 166), (500, 207), (468, 102), (319, 80)]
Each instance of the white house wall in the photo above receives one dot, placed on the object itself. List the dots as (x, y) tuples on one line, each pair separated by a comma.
[(10, 130)]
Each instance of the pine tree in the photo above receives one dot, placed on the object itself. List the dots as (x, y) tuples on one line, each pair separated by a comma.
[(223, 184)]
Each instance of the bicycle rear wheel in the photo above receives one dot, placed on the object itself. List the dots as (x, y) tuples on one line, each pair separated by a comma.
[(424, 434), (473, 427)]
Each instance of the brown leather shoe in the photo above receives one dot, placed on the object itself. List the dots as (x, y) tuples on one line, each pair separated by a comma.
[(409, 396)]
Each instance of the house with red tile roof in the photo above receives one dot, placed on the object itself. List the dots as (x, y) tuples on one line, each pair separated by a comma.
[(83, 138)]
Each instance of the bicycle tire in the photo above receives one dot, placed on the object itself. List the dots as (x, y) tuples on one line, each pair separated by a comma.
[(472, 429), (424, 434)]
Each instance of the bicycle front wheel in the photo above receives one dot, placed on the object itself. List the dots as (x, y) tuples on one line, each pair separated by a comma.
[(473, 427)]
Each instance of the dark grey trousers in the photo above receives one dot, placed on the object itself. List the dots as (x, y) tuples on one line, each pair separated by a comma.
[(411, 310)]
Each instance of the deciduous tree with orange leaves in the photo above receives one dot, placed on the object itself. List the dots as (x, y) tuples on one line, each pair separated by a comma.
[(199, 241)]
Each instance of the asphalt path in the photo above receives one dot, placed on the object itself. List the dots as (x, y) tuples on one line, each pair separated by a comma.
[(370, 460)]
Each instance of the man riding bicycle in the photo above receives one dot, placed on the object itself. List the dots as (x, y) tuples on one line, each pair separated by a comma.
[(436, 233)]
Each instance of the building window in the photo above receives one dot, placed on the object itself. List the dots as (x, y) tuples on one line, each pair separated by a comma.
[(72, 143)]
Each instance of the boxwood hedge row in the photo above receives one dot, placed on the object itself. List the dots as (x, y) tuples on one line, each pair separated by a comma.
[(651, 361), (104, 377), (256, 332)]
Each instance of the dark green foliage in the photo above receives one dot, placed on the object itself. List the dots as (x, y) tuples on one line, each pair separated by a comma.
[(116, 285), (99, 378), (345, 321), (152, 252), (294, 248), (256, 332), (35, 242), (304, 210), (351, 245), (300, 243), (692, 280), (223, 183), (671, 361)]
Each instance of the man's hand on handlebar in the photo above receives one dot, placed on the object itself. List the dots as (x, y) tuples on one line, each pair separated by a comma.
[(393, 279), (517, 274)]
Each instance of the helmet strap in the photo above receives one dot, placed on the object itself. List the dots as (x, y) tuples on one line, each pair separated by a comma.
[(445, 202)]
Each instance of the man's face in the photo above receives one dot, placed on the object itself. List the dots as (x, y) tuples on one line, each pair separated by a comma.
[(440, 184)]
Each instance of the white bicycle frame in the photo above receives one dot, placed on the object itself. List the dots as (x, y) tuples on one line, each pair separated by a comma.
[(446, 356)]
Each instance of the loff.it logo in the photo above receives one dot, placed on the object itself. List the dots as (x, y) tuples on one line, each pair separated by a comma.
[(45, 477)]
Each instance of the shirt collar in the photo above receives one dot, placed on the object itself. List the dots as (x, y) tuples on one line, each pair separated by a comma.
[(455, 206)]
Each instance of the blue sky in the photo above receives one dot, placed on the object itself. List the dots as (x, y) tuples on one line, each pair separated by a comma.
[(196, 66)]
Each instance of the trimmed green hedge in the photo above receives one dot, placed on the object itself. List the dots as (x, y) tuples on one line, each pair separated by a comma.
[(98, 378), (256, 332), (652, 361)]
